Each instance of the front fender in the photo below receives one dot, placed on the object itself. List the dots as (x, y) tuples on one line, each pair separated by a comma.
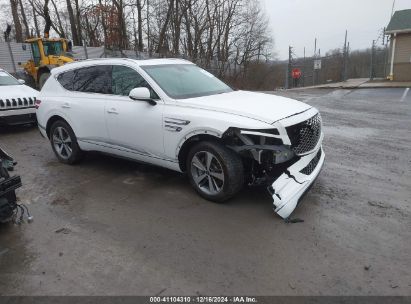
[(201, 131)]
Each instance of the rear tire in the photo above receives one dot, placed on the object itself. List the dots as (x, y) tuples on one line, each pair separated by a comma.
[(214, 171), (64, 143)]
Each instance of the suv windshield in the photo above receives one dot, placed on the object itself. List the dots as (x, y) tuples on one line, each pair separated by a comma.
[(181, 81), (6, 79)]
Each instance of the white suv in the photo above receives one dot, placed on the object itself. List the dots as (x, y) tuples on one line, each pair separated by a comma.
[(17, 101), (171, 113)]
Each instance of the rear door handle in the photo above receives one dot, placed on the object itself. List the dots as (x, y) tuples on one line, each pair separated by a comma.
[(66, 106), (112, 111)]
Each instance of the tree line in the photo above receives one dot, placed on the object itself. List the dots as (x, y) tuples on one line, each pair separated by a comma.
[(226, 36)]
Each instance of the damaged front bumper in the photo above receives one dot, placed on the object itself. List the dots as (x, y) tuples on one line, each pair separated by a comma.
[(292, 184)]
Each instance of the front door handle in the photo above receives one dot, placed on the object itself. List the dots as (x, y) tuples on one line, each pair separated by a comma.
[(112, 111), (66, 106)]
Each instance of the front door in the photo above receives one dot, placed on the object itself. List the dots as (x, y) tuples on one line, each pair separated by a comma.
[(134, 126)]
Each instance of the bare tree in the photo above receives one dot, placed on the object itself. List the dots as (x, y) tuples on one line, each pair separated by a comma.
[(60, 29), (16, 20), (140, 25), (164, 27), (35, 21), (73, 26), (47, 19), (78, 18), (122, 31), (231, 38), (23, 16)]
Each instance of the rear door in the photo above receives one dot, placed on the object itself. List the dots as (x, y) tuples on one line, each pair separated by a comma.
[(134, 126), (85, 105)]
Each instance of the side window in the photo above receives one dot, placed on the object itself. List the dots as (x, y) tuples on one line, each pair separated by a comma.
[(125, 79), (36, 53), (66, 80), (95, 79)]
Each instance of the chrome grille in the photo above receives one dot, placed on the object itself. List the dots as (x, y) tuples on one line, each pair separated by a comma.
[(17, 103), (305, 135), (312, 165)]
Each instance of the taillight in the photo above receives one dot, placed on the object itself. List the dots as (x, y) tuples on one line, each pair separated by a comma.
[(38, 102)]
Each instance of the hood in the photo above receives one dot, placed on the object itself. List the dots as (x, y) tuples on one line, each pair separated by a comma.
[(264, 107), (17, 91)]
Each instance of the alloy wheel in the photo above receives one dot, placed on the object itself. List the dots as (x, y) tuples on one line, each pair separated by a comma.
[(207, 172), (62, 142)]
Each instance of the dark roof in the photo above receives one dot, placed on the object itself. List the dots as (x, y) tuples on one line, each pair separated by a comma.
[(400, 22)]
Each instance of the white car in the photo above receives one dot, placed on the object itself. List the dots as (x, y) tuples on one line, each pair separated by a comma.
[(171, 113), (17, 101)]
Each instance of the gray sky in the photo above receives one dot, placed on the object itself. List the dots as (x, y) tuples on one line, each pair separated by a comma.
[(298, 22)]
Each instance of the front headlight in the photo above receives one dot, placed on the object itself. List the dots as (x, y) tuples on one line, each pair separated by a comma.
[(265, 146)]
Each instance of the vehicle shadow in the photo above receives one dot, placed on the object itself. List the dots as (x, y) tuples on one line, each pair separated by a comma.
[(162, 178), (16, 129)]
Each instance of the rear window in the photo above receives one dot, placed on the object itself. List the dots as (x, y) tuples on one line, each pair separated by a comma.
[(95, 79), (66, 80)]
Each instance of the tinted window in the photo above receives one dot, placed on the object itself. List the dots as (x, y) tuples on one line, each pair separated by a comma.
[(125, 79), (66, 80), (53, 48), (36, 53), (96, 79)]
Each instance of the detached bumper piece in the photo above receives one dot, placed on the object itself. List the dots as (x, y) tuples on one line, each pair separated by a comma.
[(291, 185), (8, 198), (9, 185)]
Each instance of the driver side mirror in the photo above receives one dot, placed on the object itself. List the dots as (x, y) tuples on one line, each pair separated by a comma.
[(142, 94), (21, 81)]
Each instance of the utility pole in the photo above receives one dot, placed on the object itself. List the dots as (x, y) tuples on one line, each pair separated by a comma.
[(290, 50), (304, 69), (372, 61), (315, 57), (385, 45), (347, 61), (148, 28), (393, 7), (344, 69)]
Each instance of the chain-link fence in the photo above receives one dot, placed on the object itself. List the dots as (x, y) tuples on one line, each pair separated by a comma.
[(379, 63), (337, 66)]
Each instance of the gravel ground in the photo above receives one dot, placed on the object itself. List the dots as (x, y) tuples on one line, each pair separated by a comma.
[(113, 227)]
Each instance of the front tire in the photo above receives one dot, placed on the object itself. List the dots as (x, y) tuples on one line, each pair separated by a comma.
[(64, 143), (214, 171)]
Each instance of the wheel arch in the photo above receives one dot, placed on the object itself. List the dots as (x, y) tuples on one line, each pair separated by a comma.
[(186, 146), (51, 121)]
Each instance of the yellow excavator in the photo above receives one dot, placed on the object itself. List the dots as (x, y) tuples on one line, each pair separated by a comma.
[(47, 53)]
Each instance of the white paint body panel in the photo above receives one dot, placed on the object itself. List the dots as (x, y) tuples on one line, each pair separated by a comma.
[(17, 91), (14, 92), (155, 134)]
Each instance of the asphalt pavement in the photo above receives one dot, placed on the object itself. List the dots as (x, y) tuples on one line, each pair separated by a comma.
[(114, 227)]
